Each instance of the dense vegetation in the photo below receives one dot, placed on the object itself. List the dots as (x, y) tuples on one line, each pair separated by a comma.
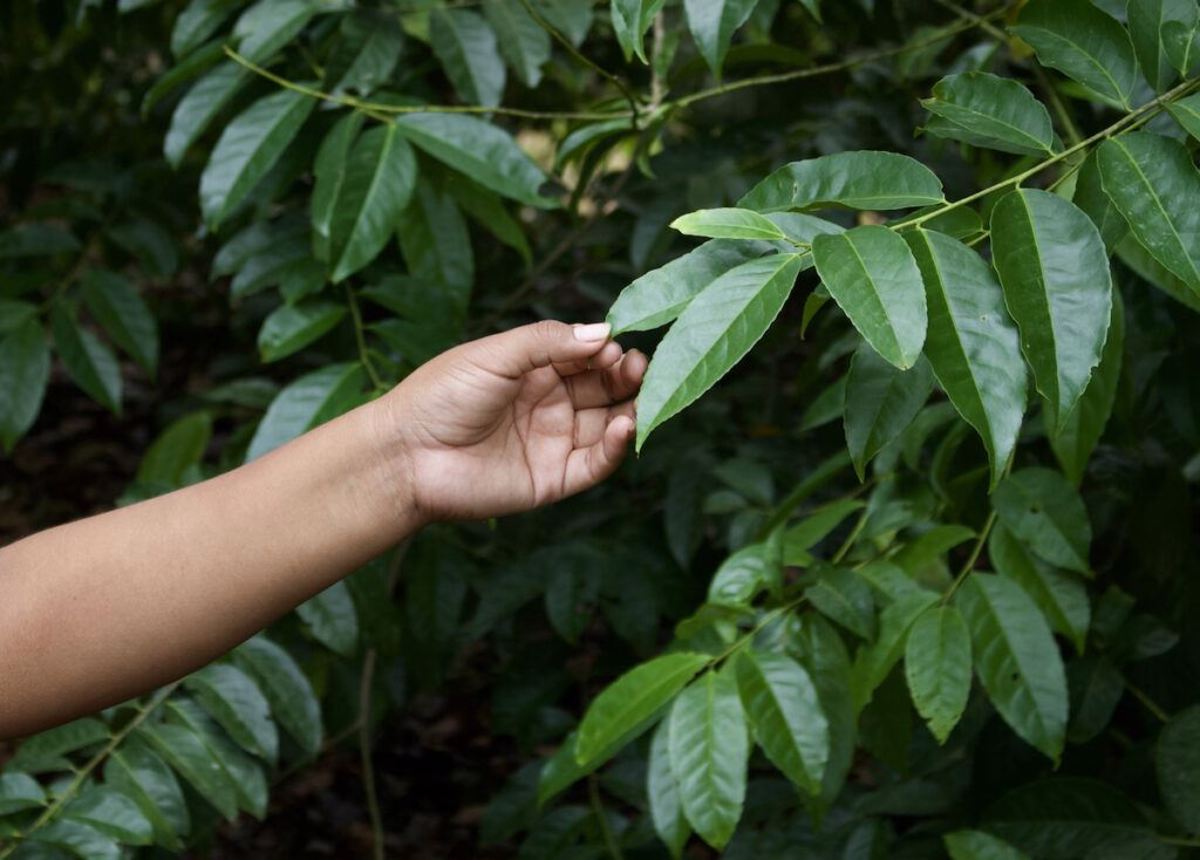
[(913, 580)]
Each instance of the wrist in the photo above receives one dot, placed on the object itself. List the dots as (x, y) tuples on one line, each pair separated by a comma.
[(394, 473)]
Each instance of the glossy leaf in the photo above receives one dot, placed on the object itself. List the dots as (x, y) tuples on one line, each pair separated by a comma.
[(1016, 660), (573, 18), (1060, 595), (329, 171), (248, 148), (1090, 197), (713, 25), (856, 180), (200, 106), (292, 327), (937, 665), (1083, 43), (1058, 287), (811, 530), (87, 359), (744, 574), (709, 748), (881, 402), (331, 618), (305, 403), (19, 791), (845, 597), (183, 749), (873, 277), (712, 334), (630, 20), (242, 770), (293, 702), (660, 295), (178, 448), (24, 374), (487, 154), (197, 22), (874, 661), (784, 712), (1043, 511), (523, 42), (1177, 760), (1153, 183), (116, 305), (978, 845), (632, 700), (237, 704), (369, 47), (466, 46), (992, 112), (72, 838), (972, 344), (819, 648), (46, 750), (662, 789), (436, 244), (1187, 114), (1181, 40), (727, 224), (141, 774), (111, 813), (1148, 20), (268, 25)]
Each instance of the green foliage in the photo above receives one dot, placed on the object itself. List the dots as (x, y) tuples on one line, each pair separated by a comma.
[(779, 610)]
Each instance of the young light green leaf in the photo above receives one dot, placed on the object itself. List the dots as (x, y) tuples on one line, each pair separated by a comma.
[(141, 774), (972, 344), (993, 112), (307, 402), (24, 374), (117, 306), (1083, 43), (978, 845), (292, 327), (660, 295), (1187, 114), (630, 20), (881, 402), (709, 746), (845, 597), (1016, 660), (88, 360), (1060, 596), (465, 44), (1177, 760), (487, 154), (293, 702), (713, 25), (727, 224), (112, 813), (332, 619), (1058, 287), (1074, 442), (237, 704), (713, 333), (1148, 20), (873, 662), (871, 274), (1043, 511), (200, 106), (1091, 199), (176, 449), (937, 665), (183, 749), (329, 172), (522, 40), (785, 713), (857, 180), (632, 700), (1153, 183), (662, 790)]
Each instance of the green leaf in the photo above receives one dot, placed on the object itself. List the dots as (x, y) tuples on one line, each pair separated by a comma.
[(1181, 40), (24, 374), (662, 790), (631, 700), (784, 710), (1016, 660), (14, 313), (1090, 197), (1177, 760), (269, 25), (1138, 259), (74, 838), (199, 20), (1153, 183), (1058, 287), (117, 306), (1083, 43), (465, 45), (871, 274), (845, 597), (713, 26), (331, 618), (36, 240), (1147, 23), (290, 328), (821, 651), (1068, 817), (45, 750), (200, 106), (88, 360), (293, 701), (993, 112), (329, 172), (972, 344), (713, 333), (237, 704), (709, 749), (139, 773), (523, 42), (937, 665), (183, 749), (436, 244), (370, 44), (111, 813), (1074, 442), (630, 20), (19, 791), (857, 180), (1187, 114), (727, 224), (490, 213), (242, 770), (881, 402), (977, 845), (1043, 511), (660, 295), (487, 154), (378, 184), (248, 148), (1096, 686), (179, 447), (310, 400), (573, 18), (814, 528), (1060, 596), (874, 662)]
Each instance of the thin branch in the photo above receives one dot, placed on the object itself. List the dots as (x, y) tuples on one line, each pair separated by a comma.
[(610, 841), (969, 564), (364, 354), (976, 19), (1149, 704)]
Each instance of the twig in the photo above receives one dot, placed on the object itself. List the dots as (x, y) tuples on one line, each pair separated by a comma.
[(610, 841), (1148, 703), (969, 564), (364, 354)]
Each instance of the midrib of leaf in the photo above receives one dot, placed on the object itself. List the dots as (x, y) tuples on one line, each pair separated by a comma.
[(1027, 690), (1002, 122), (1042, 294), (781, 713), (862, 264), (372, 188), (464, 57), (1100, 67)]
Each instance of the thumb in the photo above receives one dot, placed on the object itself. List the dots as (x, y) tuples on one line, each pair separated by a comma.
[(541, 344)]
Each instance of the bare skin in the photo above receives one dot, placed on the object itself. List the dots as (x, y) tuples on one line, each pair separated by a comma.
[(106, 608)]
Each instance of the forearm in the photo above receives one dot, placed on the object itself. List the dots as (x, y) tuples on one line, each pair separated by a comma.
[(94, 612)]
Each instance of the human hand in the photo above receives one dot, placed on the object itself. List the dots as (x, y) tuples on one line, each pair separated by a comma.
[(512, 421)]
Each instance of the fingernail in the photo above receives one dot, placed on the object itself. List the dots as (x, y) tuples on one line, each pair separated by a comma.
[(593, 332)]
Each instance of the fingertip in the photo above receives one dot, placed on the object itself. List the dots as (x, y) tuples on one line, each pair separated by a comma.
[(634, 366), (609, 355)]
